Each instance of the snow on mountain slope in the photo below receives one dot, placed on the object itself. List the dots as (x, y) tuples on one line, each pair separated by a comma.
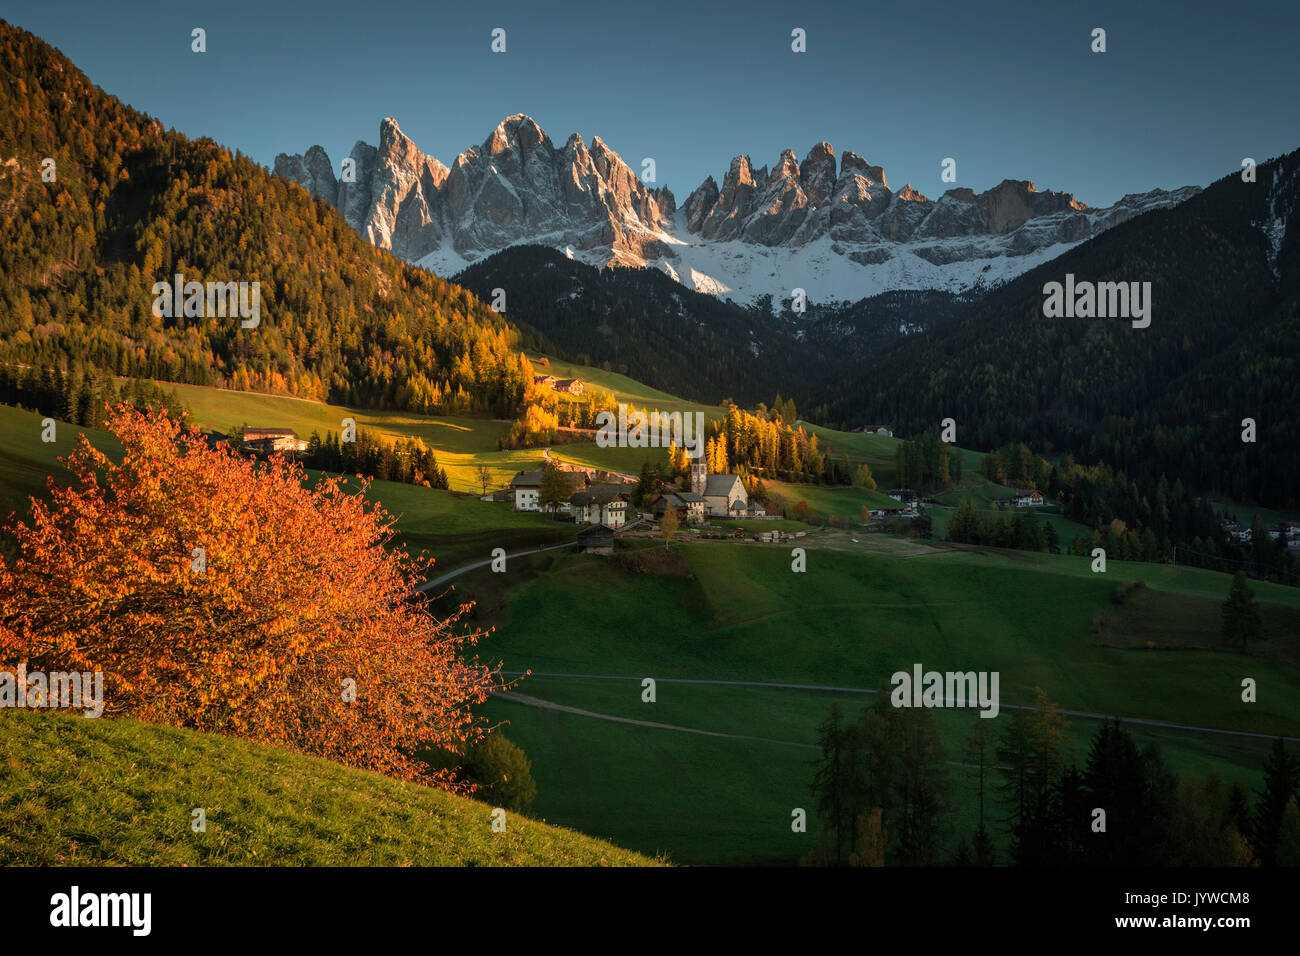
[(838, 234)]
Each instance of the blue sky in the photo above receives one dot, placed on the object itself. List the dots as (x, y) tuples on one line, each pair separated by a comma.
[(1009, 90)]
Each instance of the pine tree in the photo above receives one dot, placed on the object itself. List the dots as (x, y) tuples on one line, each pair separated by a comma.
[(831, 782), (1281, 781), (1241, 618), (1288, 842)]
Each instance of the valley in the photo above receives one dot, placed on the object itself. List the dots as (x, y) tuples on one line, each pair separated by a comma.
[(512, 511)]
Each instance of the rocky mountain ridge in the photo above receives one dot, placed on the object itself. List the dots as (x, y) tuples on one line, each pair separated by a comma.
[(832, 227)]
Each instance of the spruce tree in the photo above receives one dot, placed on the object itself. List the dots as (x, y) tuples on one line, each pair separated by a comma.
[(1241, 617), (1281, 781)]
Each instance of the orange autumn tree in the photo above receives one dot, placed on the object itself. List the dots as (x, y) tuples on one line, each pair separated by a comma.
[(225, 595)]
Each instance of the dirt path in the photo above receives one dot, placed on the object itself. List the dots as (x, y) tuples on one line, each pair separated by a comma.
[(482, 564), (862, 690), (550, 705)]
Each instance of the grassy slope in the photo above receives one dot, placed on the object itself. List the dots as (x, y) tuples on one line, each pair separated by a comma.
[(454, 530), (26, 461), (851, 620), (94, 792), (826, 500), (462, 444), (625, 389)]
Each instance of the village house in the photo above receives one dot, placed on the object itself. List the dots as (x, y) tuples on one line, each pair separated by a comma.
[(273, 439), (526, 488), (600, 504), (688, 505), (1029, 499), (904, 496), (596, 539), (571, 386)]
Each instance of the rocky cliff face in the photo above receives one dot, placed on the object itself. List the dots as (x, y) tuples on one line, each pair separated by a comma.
[(517, 186), (796, 204), (834, 228), (384, 193)]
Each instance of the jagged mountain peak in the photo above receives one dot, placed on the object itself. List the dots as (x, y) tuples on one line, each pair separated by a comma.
[(829, 224), (518, 130)]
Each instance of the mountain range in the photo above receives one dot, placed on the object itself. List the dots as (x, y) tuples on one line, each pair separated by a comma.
[(346, 322), (830, 225)]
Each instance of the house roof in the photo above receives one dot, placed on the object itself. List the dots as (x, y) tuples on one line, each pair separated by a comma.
[(253, 434), (720, 484), (605, 493), (689, 496), (597, 495), (526, 479), (594, 530)]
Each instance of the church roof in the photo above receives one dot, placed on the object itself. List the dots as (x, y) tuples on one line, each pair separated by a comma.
[(720, 484)]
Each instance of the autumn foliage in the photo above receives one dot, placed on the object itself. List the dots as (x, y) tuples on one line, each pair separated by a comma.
[(293, 594)]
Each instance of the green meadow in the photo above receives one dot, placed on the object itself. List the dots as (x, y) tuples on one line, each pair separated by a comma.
[(718, 611), (453, 528), (103, 792), (725, 612), (462, 444)]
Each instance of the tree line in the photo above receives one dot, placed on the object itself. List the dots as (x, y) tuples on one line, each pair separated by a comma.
[(82, 396), (884, 797), (408, 460)]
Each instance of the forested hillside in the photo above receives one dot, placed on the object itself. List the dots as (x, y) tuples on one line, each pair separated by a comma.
[(1223, 345), (641, 323), (644, 324), (124, 204)]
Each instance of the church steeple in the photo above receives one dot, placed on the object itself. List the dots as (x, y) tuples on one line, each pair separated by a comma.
[(699, 475)]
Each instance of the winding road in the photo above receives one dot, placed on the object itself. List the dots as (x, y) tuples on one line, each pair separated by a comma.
[(482, 564), (862, 690)]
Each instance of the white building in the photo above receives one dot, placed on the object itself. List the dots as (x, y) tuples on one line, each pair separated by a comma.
[(600, 504), (526, 490), (526, 487), (688, 506)]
